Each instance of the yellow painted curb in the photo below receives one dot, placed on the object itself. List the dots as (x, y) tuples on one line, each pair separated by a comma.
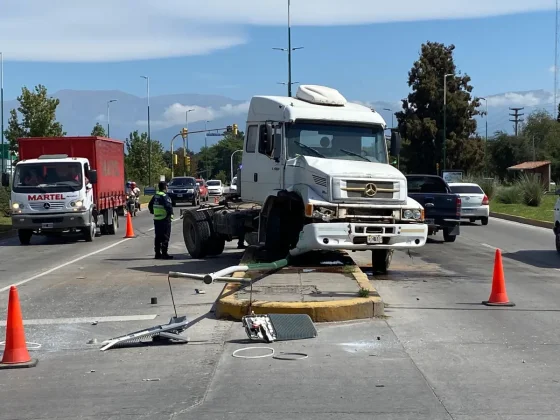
[(228, 306)]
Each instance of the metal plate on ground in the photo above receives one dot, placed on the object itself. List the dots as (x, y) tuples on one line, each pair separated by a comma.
[(279, 327)]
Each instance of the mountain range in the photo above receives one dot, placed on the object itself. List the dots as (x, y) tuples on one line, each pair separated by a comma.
[(80, 110)]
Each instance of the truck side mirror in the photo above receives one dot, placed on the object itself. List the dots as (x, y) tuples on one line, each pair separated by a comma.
[(269, 139), (395, 143), (92, 176), (5, 179)]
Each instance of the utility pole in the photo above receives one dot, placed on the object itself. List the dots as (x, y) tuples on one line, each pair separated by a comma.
[(445, 118), (556, 61), (186, 140), (289, 50), (109, 116), (516, 120), (149, 136)]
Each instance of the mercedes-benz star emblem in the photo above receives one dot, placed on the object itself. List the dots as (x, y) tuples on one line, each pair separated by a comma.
[(370, 190), (47, 206)]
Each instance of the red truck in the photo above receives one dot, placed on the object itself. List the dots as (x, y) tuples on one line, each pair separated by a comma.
[(63, 184)]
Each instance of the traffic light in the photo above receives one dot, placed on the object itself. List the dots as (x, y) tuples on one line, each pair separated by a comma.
[(175, 160), (394, 161), (187, 160), (184, 132), (229, 129), (235, 129), (437, 168)]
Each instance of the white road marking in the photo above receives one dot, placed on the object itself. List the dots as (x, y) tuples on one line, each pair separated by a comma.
[(56, 321), (58, 267), (489, 246), (520, 225)]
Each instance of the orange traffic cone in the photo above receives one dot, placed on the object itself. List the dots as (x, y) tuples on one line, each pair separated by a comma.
[(15, 351), (498, 296), (129, 228)]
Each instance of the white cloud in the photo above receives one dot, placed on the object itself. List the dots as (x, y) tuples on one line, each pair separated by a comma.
[(529, 99), (109, 30), (175, 114), (101, 118), (551, 69)]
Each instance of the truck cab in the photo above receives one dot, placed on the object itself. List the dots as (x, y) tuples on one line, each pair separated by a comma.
[(319, 167)]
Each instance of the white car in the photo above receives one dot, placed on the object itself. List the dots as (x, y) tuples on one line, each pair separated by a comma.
[(233, 186), (474, 202), (215, 187)]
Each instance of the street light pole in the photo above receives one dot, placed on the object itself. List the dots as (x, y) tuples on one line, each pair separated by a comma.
[(149, 134), (109, 117), (206, 148), (445, 119), (2, 106), (186, 139), (392, 121), (289, 50)]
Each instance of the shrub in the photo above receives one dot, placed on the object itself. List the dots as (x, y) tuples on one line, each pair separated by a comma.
[(508, 195), (4, 201), (531, 190)]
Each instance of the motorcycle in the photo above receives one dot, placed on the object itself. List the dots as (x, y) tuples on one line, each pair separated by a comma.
[(132, 204)]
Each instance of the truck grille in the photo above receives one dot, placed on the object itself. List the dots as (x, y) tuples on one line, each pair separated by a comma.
[(47, 220), (370, 189), (46, 206)]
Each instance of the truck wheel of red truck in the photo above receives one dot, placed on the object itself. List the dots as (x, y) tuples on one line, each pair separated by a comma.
[(113, 228), (196, 233)]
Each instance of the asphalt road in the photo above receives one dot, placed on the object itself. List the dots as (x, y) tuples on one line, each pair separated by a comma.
[(439, 354)]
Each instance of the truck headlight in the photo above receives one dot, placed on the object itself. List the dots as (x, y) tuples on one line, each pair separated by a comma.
[(79, 203), (16, 206), (415, 214)]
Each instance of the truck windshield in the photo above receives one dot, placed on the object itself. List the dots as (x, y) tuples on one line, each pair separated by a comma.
[(48, 177), (340, 141)]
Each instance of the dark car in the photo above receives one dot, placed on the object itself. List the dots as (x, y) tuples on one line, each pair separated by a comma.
[(184, 189), (442, 208)]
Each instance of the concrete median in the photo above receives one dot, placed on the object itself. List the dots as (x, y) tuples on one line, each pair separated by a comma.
[(326, 294)]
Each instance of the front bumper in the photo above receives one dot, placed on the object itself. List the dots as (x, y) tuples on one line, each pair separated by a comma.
[(214, 192), (180, 197), (354, 236), (51, 222)]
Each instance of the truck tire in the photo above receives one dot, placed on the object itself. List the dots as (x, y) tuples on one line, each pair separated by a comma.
[(25, 236), (484, 221), (381, 260), (196, 233), (277, 236), (558, 242), (447, 237), (216, 246), (112, 229), (89, 232)]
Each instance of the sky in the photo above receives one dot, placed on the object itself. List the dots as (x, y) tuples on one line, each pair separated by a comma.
[(363, 48)]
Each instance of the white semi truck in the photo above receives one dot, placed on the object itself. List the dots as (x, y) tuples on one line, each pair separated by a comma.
[(315, 175)]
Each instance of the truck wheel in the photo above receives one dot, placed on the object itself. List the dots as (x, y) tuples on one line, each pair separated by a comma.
[(89, 232), (447, 237), (558, 242), (25, 236), (277, 241), (216, 246), (112, 229), (196, 233), (381, 260), (484, 221)]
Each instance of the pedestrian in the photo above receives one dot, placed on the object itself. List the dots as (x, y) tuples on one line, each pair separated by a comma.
[(162, 209)]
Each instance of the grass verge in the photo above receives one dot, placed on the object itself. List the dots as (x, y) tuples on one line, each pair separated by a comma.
[(5, 224), (544, 212)]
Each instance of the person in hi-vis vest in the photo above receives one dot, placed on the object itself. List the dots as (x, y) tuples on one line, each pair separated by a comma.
[(162, 209)]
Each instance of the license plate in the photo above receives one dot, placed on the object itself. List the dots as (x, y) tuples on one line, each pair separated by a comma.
[(47, 225), (179, 195), (467, 210), (430, 221), (374, 239)]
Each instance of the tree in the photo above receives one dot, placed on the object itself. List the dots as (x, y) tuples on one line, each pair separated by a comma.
[(98, 131), (421, 119), (136, 160), (38, 112), (505, 150)]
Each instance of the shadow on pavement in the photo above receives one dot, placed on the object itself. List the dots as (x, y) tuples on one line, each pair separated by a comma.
[(190, 265), (536, 258)]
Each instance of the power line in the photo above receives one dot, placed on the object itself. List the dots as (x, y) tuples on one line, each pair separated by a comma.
[(516, 120)]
